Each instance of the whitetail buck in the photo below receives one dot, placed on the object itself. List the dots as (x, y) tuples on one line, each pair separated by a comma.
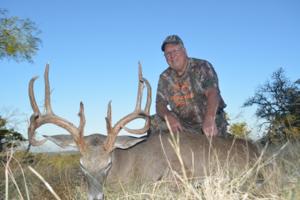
[(121, 159)]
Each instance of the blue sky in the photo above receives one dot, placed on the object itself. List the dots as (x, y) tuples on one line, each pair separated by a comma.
[(93, 48)]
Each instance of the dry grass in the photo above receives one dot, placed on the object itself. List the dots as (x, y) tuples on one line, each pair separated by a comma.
[(61, 171)]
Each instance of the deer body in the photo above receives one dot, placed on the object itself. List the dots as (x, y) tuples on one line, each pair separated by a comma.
[(153, 159)]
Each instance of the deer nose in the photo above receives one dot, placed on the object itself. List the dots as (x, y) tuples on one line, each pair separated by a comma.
[(98, 197)]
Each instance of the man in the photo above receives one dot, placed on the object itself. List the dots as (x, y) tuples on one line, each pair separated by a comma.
[(188, 94)]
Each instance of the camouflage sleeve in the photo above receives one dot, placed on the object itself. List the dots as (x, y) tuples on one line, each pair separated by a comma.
[(161, 94), (210, 78)]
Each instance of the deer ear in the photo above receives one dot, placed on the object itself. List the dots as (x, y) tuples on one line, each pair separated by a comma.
[(63, 141), (125, 142)]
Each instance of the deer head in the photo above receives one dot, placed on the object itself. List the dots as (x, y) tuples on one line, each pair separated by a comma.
[(96, 150)]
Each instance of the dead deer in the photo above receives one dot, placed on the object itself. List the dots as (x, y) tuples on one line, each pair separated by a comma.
[(120, 159)]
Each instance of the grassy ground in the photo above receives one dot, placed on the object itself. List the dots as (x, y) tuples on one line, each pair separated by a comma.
[(61, 171)]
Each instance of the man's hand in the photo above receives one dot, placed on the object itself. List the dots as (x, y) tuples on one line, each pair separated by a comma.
[(174, 123), (209, 127)]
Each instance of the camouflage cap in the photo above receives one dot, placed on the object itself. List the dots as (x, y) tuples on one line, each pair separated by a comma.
[(171, 39)]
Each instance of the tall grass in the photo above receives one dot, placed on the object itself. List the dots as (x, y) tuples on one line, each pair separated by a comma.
[(279, 169), (60, 171)]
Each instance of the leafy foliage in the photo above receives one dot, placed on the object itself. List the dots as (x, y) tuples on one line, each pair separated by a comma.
[(18, 38), (278, 103), (239, 129), (8, 136)]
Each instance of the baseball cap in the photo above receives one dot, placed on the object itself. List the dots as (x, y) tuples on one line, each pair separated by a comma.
[(171, 39)]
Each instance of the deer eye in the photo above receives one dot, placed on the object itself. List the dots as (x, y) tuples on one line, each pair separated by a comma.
[(107, 168)]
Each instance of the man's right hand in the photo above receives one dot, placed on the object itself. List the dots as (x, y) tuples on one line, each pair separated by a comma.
[(174, 123)]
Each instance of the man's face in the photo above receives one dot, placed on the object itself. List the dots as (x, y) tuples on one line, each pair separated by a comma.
[(176, 57)]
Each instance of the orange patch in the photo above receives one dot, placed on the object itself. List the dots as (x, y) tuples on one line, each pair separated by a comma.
[(181, 100), (179, 87)]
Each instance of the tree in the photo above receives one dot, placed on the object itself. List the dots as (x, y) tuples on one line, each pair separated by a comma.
[(278, 104), (18, 38), (239, 129), (8, 137)]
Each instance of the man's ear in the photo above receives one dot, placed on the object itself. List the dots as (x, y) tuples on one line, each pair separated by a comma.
[(125, 142), (63, 141)]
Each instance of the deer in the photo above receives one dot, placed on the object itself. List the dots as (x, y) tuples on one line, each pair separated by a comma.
[(112, 159)]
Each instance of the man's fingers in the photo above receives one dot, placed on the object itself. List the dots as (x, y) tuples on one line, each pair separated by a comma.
[(180, 129), (209, 131), (176, 128)]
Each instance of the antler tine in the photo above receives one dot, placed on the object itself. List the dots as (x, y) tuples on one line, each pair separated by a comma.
[(47, 90), (80, 142), (143, 81), (149, 96), (110, 140), (108, 118), (112, 132), (32, 100), (34, 116), (37, 119), (140, 89), (143, 113)]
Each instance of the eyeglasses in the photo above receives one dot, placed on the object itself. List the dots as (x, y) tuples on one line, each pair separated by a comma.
[(175, 52)]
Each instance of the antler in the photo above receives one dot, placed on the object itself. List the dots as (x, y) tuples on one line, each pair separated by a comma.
[(112, 132), (37, 119)]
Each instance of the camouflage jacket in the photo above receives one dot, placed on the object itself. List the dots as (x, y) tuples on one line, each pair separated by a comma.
[(185, 94)]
